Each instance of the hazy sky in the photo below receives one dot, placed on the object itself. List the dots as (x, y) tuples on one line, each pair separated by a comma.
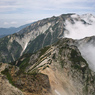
[(19, 12)]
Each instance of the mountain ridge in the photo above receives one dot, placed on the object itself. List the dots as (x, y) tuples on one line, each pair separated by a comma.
[(37, 35), (42, 61), (59, 68)]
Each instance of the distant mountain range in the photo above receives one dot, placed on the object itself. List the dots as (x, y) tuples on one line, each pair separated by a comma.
[(7, 31)]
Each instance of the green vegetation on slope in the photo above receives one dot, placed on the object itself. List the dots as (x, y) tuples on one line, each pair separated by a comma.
[(6, 72), (44, 50), (75, 58)]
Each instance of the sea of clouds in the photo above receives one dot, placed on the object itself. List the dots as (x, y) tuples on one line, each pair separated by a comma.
[(79, 30)]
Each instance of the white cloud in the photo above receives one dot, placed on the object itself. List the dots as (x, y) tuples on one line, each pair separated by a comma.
[(30, 21), (88, 52), (13, 22), (29, 9), (41, 4), (10, 23), (6, 23), (79, 30)]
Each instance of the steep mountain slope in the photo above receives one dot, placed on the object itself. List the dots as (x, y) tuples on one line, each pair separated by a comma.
[(58, 69), (5, 87), (9, 49), (27, 37), (36, 36)]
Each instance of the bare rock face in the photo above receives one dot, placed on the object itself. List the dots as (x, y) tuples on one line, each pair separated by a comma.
[(5, 87), (12, 79)]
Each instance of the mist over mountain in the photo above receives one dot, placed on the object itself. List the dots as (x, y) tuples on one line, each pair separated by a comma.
[(87, 49), (45, 32), (53, 56), (80, 29), (58, 69)]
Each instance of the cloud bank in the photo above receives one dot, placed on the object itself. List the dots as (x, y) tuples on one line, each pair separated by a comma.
[(79, 30), (88, 52)]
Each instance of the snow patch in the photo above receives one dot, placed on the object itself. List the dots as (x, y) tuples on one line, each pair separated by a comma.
[(24, 48), (57, 92), (23, 41)]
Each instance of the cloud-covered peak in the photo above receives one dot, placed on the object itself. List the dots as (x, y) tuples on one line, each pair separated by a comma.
[(83, 26), (89, 18)]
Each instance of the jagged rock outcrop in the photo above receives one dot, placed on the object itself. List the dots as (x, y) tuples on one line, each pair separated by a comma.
[(5, 87), (15, 82)]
